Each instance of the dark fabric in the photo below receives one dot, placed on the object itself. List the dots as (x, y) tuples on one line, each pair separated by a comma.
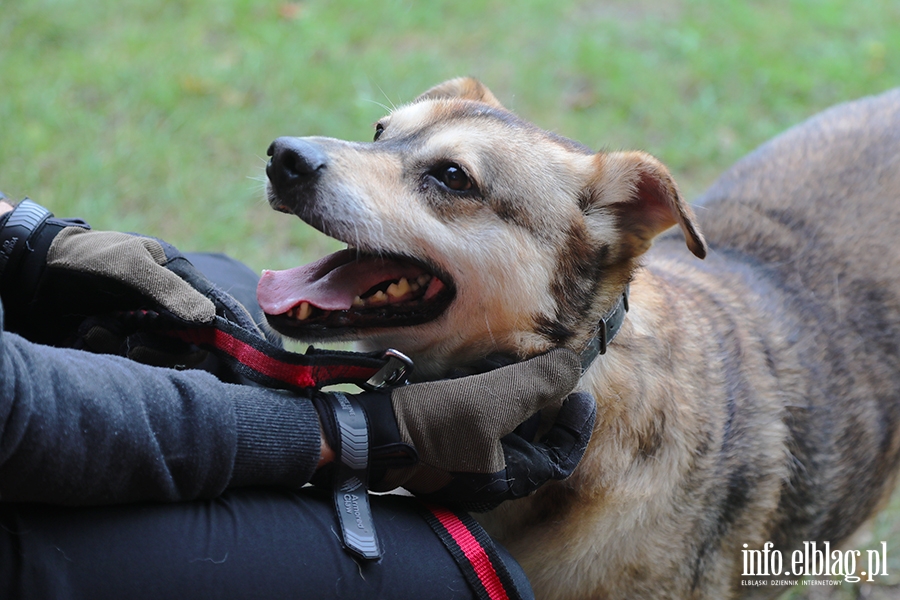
[(249, 543), (81, 428)]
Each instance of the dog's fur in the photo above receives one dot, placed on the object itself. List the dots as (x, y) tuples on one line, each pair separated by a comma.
[(750, 397)]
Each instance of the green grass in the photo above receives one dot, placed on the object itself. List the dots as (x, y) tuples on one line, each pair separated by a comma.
[(155, 116)]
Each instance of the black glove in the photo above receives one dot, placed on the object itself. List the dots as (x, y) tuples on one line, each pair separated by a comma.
[(63, 284), (459, 441)]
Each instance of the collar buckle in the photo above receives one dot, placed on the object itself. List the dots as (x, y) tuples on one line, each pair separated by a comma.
[(607, 329), (395, 371)]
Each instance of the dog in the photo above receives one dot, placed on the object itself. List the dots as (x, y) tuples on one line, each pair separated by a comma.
[(750, 402)]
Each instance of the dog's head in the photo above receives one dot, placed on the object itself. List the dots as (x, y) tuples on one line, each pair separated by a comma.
[(469, 231)]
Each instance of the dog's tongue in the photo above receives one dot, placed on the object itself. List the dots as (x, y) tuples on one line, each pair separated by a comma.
[(330, 283)]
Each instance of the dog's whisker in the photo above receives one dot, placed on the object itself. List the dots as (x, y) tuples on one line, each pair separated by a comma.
[(386, 97), (490, 331), (379, 104)]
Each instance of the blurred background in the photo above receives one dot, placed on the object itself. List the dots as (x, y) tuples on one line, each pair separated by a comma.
[(155, 116)]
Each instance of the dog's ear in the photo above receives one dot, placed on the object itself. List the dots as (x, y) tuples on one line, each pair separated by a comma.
[(641, 193), (464, 88)]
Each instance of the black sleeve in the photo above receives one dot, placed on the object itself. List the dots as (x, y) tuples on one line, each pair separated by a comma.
[(79, 428)]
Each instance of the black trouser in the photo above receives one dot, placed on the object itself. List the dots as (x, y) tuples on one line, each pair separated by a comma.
[(251, 543)]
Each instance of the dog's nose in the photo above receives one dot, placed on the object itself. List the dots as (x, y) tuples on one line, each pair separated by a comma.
[(294, 161)]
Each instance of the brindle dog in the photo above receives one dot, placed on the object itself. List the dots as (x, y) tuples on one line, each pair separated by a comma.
[(748, 398)]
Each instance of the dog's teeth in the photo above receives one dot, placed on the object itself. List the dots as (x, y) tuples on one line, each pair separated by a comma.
[(399, 289), (378, 297), (423, 279), (358, 302), (302, 312)]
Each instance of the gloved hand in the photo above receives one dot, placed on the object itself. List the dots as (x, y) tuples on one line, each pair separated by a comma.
[(63, 284), (459, 441)]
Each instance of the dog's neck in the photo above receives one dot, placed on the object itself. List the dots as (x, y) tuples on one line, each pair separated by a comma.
[(607, 328)]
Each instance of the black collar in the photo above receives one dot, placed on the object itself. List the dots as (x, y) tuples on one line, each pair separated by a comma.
[(607, 329)]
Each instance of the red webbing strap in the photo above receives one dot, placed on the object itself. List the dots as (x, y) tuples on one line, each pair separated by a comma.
[(474, 552), (260, 361)]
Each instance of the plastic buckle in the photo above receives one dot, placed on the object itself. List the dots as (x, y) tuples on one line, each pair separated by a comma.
[(351, 498), (395, 371), (18, 228)]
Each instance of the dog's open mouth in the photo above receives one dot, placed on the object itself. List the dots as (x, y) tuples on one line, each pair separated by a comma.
[(350, 290)]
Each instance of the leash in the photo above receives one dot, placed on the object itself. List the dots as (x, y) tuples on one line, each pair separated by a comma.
[(474, 552), (265, 363)]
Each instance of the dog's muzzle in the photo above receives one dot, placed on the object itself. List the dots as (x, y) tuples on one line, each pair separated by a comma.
[(295, 164)]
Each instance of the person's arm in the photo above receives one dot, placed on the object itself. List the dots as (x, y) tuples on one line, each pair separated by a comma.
[(104, 429), (183, 434), (80, 428)]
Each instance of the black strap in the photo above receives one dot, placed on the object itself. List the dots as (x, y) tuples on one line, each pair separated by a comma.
[(607, 329), (351, 496), (265, 363)]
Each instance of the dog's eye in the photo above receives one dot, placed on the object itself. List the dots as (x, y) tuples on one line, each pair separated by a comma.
[(453, 177), (379, 129)]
